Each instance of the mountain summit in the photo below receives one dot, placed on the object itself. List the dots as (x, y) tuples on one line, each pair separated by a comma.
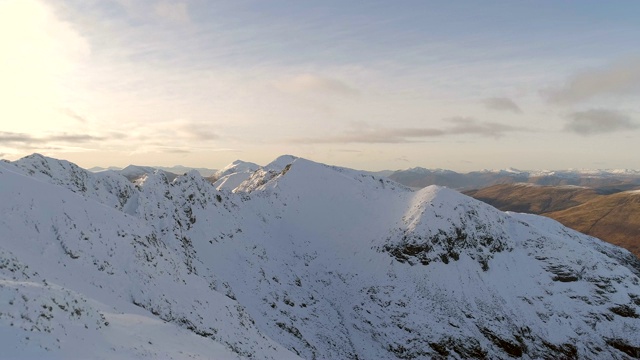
[(297, 260)]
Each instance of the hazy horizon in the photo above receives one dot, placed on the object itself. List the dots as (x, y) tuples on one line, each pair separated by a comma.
[(169, 166), (382, 86)]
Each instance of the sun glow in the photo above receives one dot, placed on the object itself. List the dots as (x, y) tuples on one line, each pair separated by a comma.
[(37, 51)]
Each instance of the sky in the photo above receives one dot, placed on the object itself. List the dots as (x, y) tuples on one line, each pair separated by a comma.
[(461, 85)]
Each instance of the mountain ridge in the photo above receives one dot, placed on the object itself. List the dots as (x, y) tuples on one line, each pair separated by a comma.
[(610, 213), (305, 259), (421, 177)]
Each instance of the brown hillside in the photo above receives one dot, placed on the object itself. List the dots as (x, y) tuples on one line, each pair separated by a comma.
[(613, 218), (533, 199)]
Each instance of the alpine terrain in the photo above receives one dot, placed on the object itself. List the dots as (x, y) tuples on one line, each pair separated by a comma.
[(420, 177), (296, 260), (609, 213)]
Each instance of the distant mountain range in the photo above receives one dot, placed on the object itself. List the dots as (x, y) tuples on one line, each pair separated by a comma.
[(177, 169), (418, 177), (421, 177), (299, 260)]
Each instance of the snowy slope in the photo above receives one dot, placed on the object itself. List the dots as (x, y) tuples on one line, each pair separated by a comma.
[(298, 259), (237, 166), (106, 271), (134, 172), (232, 175)]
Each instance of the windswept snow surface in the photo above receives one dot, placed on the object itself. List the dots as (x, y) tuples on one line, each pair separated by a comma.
[(229, 177), (237, 166), (299, 259)]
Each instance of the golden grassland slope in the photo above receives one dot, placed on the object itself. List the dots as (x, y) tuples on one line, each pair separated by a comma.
[(614, 218), (533, 199)]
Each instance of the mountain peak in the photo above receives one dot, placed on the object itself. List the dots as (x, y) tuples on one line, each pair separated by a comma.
[(280, 162), (302, 260), (236, 166)]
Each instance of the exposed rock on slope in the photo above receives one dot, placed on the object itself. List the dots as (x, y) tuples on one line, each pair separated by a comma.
[(300, 259)]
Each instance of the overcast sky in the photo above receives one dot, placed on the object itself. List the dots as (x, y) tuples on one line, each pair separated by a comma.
[(463, 85)]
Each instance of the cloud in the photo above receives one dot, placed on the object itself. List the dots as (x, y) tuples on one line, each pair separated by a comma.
[(465, 125), (12, 139), (347, 150), (598, 121), (374, 136), (308, 83), (72, 138), (176, 12), (196, 131), (172, 150), (621, 78), (74, 115), (378, 135), (502, 104)]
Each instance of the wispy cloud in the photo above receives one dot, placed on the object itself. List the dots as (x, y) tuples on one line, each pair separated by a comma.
[(309, 83), (164, 10), (367, 134), (502, 104), (173, 150), (173, 11), (347, 150), (466, 125), (196, 131), (598, 121), (72, 138), (11, 137), (8, 138), (620, 78), (373, 136), (23, 143), (74, 115)]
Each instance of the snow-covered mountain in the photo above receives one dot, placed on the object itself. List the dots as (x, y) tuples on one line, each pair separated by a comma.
[(420, 177), (176, 169), (236, 167), (134, 173), (232, 175), (181, 169), (299, 260)]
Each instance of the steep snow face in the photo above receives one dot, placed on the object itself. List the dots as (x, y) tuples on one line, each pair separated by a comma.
[(106, 187), (237, 166), (434, 230), (74, 270), (299, 259), (233, 175), (231, 181), (135, 171)]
